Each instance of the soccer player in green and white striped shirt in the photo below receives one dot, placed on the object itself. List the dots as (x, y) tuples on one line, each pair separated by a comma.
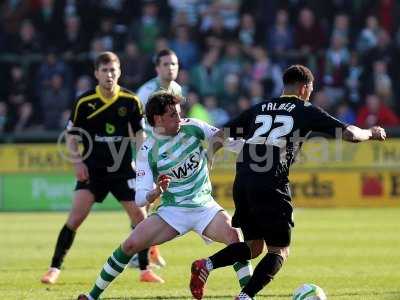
[(172, 164), (167, 68)]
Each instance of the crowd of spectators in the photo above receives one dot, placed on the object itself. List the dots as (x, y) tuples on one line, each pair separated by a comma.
[(232, 54)]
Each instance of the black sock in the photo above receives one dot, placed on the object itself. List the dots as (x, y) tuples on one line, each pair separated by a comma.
[(263, 273), (143, 257), (64, 242), (238, 252)]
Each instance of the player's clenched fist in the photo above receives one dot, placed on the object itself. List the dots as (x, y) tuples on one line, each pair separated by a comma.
[(163, 182), (378, 133)]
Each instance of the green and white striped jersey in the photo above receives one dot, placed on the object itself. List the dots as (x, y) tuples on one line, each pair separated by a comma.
[(183, 158), (153, 85)]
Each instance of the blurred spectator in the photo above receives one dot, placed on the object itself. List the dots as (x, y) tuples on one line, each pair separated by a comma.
[(345, 113), (73, 41), (24, 117), (336, 62), (321, 99), (112, 8), (189, 8), (232, 60), (374, 112), (19, 100), (12, 13), (160, 44), (134, 66), (206, 76), (248, 35), (48, 21), (384, 50), (215, 33), (82, 85), (148, 27), (184, 81), (218, 116), (387, 12), (19, 86), (27, 41), (309, 37), (108, 35), (185, 47), (96, 47), (229, 95), (209, 15), (341, 28), (280, 38), (368, 37), (256, 92), (3, 117), (382, 83), (378, 81), (268, 73), (244, 103), (353, 79), (195, 109), (52, 65), (229, 12), (54, 103)]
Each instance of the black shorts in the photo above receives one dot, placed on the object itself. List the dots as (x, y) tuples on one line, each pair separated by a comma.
[(262, 212), (120, 186)]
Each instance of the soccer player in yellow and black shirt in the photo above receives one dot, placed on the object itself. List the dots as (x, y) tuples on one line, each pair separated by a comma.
[(106, 119)]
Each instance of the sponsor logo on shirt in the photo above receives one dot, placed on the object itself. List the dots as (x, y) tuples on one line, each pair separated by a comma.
[(140, 173), (107, 139), (188, 167)]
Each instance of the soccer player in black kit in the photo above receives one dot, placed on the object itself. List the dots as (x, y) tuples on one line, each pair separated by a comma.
[(274, 131), (106, 118)]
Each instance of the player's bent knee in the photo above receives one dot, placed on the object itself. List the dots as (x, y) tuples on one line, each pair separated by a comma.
[(281, 251), (131, 246), (285, 253), (256, 247), (233, 236)]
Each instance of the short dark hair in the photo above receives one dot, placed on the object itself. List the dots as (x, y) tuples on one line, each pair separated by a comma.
[(297, 74), (104, 58), (161, 53), (158, 103)]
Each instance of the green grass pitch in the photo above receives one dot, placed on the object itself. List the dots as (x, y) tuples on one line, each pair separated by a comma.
[(351, 253)]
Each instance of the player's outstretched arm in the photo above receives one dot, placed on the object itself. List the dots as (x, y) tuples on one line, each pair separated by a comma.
[(355, 134), (215, 143)]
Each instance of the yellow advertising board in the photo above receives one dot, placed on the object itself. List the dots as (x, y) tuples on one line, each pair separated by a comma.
[(33, 158), (329, 188), (337, 154), (315, 154), (327, 174), (332, 174)]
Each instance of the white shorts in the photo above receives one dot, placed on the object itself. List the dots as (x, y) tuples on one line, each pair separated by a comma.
[(184, 219)]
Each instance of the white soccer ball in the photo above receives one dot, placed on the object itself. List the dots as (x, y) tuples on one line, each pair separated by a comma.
[(309, 291)]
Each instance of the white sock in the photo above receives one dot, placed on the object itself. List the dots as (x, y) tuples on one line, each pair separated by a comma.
[(244, 296), (209, 265)]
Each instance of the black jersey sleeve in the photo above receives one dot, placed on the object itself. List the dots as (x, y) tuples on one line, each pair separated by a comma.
[(239, 126), (320, 121), (136, 120)]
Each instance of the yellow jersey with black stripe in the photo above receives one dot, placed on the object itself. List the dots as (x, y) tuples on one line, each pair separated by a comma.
[(103, 125)]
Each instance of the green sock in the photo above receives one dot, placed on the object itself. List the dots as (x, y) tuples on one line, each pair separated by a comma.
[(243, 272), (114, 266)]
